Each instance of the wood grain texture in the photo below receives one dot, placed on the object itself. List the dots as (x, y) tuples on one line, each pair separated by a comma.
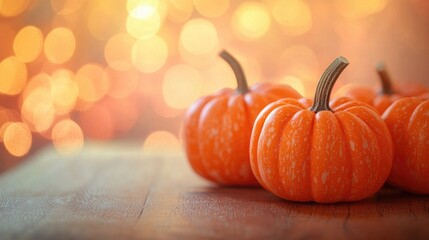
[(110, 192)]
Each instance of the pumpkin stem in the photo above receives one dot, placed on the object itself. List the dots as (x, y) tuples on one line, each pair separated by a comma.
[(242, 87), (326, 83), (386, 83)]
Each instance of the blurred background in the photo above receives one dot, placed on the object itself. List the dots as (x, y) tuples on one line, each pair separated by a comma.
[(79, 71)]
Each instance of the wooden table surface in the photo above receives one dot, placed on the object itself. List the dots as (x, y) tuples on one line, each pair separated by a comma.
[(117, 192)]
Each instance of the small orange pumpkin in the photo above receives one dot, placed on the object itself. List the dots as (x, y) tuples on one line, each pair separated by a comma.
[(408, 122), (383, 98), (217, 128), (325, 152)]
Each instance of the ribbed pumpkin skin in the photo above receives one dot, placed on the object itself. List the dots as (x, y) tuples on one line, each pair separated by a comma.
[(408, 122), (299, 155), (217, 130)]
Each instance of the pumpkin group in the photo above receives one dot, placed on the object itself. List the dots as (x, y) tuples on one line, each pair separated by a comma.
[(323, 151), (388, 93), (217, 128), (408, 122)]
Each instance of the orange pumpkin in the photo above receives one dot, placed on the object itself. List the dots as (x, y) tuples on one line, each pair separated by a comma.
[(383, 98), (217, 128), (408, 122), (324, 152)]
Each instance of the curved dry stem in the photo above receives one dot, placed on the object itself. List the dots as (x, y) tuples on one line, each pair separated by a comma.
[(386, 83), (238, 71), (326, 83)]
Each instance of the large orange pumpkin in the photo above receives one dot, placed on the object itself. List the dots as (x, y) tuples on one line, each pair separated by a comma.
[(408, 122), (217, 128), (324, 152), (381, 99)]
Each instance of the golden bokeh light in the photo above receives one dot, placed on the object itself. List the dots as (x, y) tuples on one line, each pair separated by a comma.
[(7, 116), (13, 76), (67, 137), (28, 44), (218, 76), (65, 7), (64, 92), (359, 8), (251, 20), (162, 142), (293, 15), (17, 139), (150, 54), (198, 61), (295, 83), (38, 109), (182, 85), (136, 4), (180, 11), (11, 8), (301, 61), (143, 11), (142, 28), (41, 80), (105, 19), (121, 69), (199, 36), (92, 81), (210, 8), (60, 44), (117, 51)]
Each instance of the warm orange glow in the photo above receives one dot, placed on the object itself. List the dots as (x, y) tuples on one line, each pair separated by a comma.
[(359, 8), (251, 20), (293, 15), (122, 69), (180, 11), (294, 82), (67, 137), (359, 90), (301, 62), (150, 54), (143, 8), (162, 142), (97, 123), (11, 8), (217, 76), (143, 28), (28, 44), (7, 116), (93, 82), (38, 109), (17, 139), (182, 85), (65, 7), (64, 92), (41, 80), (210, 8), (118, 51), (122, 83), (105, 19), (123, 118), (13, 76), (60, 45), (198, 61), (199, 36)]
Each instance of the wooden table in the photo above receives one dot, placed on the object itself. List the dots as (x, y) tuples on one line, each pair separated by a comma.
[(117, 192)]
